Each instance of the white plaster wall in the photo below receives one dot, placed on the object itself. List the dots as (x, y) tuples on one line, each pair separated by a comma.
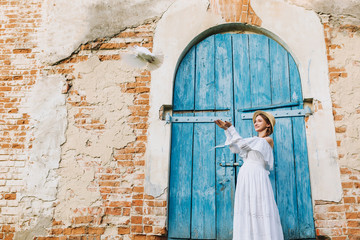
[(67, 24), (299, 29), (347, 10), (86, 150), (46, 106)]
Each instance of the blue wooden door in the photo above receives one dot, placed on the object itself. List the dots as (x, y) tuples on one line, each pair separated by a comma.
[(227, 75)]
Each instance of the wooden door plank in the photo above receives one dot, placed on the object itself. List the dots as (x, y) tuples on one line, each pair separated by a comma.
[(285, 178), (225, 176), (285, 167), (259, 70), (280, 85), (279, 68), (185, 82), (295, 82), (242, 85), (180, 179), (181, 151), (205, 82), (304, 202), (203, 221)]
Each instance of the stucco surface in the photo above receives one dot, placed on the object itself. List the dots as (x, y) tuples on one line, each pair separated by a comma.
[(67, 24), (348, 10), (86, 149), (46, 106), (347, 56)]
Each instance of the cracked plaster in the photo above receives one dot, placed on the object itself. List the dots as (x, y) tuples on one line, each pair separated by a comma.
[(68, 24), (46, 106), (85, 150), (347, 56), (347, 10)]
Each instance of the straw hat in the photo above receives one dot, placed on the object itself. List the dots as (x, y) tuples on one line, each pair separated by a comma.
[(268, 115)]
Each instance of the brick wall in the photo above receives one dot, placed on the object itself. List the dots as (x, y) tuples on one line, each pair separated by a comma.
[(19, 69), (139, 211), (340, 220), (142, 214), (235, 11)]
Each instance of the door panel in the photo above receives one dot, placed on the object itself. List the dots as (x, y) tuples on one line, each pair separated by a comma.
[(203, 224), (181, 180), (240, 73)]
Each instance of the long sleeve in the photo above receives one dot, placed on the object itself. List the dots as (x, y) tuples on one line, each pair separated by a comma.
[(236, 143)]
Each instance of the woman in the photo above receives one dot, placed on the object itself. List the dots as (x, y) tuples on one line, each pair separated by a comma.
[(256, 216)]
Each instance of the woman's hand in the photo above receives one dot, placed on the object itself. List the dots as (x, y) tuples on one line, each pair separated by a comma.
[(224, 125)]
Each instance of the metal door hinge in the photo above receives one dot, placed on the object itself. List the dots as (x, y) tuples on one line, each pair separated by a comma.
[(199, 119), (284, 113)]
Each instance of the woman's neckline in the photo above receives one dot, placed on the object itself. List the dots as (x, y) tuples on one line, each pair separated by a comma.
[(266, 141)]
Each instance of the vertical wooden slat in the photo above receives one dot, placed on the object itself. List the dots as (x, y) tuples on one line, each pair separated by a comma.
[(285, 167), (225, 176), (259, 70), (285, 178), (181, 151), (180, 179), (242, 85), (280, 87), (203, 222), (184, 83), (305, 210), (205, 82)]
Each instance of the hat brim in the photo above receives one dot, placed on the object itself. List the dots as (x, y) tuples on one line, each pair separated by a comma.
[(268, 115)]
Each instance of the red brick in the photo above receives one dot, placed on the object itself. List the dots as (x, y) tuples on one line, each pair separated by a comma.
[(114, 211), (123, 230), (136, 228), (96, 230), (349, 200), (136, 219), (10, 196), (347, 184), (56, 231), (24, 50), (78, 230)]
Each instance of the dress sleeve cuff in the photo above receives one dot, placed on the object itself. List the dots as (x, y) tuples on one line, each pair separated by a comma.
[(231, 130)]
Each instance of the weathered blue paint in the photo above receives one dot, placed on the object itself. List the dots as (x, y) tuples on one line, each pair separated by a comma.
[(242, 85), (181, 155), (203, 224), (185, 83), (181, 180), (225, 176), (304, 204), (237, 72)]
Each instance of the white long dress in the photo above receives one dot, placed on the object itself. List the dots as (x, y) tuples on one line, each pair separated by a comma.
[(256, 216)]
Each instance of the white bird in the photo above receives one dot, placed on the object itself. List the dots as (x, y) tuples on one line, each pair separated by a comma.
[(140, 57)]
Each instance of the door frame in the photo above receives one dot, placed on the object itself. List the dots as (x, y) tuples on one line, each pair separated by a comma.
[(158, 150)]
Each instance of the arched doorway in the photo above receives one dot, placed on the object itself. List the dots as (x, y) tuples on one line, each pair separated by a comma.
[(230, 76)]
